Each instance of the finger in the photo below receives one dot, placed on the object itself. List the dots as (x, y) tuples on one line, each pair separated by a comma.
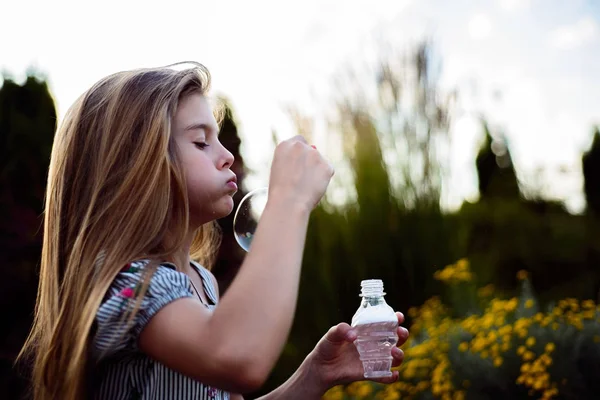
[(331, 169), (298, 138), (397, 356), (340, 333), (402, 335), (387, 379), (400, 317)]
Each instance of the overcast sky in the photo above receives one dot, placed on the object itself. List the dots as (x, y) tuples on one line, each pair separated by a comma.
[(532, 66)]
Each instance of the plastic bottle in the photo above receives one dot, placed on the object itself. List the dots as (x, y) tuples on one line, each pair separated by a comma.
[(376, 324)]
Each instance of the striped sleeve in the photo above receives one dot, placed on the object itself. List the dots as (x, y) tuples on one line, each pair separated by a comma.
[(115, 330)]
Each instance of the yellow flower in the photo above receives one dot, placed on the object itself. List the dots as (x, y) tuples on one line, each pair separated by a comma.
[(589, 314), (511, 305), (530, 341), (464, 346), (335, 393), (462, 264), (455, 273), (545, 359), (550, 347), (485, 291), (538, 317), (522, 275), (549, 393), (391, 395), (364, 390), (459, 395), (538, 384), (529, 303), (587, 304), (528, 356), (498, 361)]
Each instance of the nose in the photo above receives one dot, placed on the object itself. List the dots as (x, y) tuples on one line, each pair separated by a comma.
[(227, 159)]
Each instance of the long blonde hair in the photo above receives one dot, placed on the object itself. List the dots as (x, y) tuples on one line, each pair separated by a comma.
[(115, 193)]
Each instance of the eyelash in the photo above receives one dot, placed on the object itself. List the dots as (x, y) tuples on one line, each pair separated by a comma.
[(201, 145)]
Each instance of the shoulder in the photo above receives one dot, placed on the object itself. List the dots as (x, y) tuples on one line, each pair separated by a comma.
[(159, 278), (207, 273), (214, 281), (136, 295)]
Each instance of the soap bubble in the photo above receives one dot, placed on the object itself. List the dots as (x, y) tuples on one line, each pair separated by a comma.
[(247, 215)]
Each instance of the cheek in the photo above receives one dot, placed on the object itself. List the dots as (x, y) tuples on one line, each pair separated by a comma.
[(197, 171), (198, 189)]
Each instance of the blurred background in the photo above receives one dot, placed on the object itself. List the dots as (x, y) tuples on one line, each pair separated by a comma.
[(467, 152)]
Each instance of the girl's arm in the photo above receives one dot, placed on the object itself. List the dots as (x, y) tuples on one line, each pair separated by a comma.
[(301, 386), (236, 346), (333, 361)]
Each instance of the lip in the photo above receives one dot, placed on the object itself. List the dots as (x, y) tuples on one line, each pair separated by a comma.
[(232, 183)]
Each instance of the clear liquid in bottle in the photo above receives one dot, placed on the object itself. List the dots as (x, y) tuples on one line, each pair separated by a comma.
[(376, 326)]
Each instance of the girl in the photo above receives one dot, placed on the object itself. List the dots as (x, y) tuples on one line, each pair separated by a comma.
[(125, 310)]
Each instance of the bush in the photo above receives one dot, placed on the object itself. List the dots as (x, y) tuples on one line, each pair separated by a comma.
[(491, 347)]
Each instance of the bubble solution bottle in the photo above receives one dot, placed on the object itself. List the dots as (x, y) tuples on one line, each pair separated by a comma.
[(376, 326)]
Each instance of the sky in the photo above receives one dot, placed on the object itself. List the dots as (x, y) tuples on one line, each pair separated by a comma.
[(532, 67)]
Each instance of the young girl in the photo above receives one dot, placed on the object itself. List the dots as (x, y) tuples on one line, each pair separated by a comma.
[(125, 310)]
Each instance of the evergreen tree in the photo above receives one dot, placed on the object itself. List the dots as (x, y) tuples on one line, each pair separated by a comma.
[(590, 163)]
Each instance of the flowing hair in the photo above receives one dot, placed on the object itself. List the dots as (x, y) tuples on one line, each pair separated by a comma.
[(116, 192)]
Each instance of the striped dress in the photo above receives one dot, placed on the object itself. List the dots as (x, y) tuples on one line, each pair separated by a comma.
[(122, 371)]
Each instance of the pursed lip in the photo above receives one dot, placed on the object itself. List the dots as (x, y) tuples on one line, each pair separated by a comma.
[(232, 183)]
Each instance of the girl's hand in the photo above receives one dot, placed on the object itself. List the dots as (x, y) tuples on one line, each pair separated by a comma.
[(299, 174), (335, 359)]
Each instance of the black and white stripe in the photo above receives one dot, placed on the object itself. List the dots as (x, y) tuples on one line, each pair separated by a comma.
[(122, 371)]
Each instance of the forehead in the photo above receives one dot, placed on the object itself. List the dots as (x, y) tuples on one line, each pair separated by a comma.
[(193, 110)]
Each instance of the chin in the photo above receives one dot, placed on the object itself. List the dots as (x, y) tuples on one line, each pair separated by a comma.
[(224, 208), (220, 209)]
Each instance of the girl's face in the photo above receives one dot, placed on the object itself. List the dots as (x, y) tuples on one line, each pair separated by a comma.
[(207, 164)]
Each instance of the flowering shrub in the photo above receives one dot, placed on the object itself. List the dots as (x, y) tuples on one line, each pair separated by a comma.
[(498, 348)]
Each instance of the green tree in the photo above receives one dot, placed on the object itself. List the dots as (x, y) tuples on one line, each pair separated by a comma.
[(230, 255), (590, 164), (495, 170), (391, 226), (27, 126)]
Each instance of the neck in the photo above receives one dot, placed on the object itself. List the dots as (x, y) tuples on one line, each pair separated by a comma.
[(182, 257)]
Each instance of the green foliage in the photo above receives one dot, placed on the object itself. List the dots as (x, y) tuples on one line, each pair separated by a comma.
[(230, 254), (482, 346), (27, 125), (380, 235), (396, 231), (497, 176), (590, 164)]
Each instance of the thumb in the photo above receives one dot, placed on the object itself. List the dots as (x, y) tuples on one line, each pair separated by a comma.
[(340, 333)]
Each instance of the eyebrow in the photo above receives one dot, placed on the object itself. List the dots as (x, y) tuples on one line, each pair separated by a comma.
[(196, 126)]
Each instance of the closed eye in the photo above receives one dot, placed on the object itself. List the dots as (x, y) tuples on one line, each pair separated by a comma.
[(201, 145)]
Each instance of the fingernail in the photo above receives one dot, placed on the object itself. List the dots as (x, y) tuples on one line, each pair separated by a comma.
[(313, 146)]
